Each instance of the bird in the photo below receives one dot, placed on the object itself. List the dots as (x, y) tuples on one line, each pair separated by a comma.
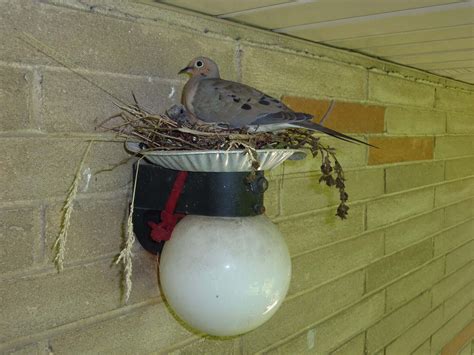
[(212, 100)]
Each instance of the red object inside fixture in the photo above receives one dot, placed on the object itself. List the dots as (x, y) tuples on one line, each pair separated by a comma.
[(162, 231)]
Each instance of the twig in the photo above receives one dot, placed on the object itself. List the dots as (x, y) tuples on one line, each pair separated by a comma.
[(327, 113)]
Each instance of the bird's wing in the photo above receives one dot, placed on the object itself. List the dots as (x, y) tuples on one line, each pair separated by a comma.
[(269, 126), (239, 105), (317, 127), (235, 104)]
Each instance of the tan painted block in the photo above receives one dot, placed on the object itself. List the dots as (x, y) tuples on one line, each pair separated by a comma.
[(328, 263), (272, 199), (35, 303), (29, 349), (305, 344), (54, 162), (303, 194), (458, 301), (393, 208), (449, 330), (460, 122), (452, 99), (404, 177), (448, 286), (454, 191), (302, 344), (453, 238), (350, 117), (416, 335), (138, 332), (412, 230), (388, 89), (315, 230), (424, 349), (297, 313), (401, 120), (454, 146), (395, 265), (337, 330), (96, 228), (91, 106), (458, 168), (458, 212), (371, 179), (309, 164), (413, 284), (304, 76), (396, 322), (400, 149), (355, 346), (108, 168), (19, 235), (113, 45), (207, 345), (460, 256), (15, 99)]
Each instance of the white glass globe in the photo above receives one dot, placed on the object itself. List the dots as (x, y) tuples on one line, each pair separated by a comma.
[(225, 275)]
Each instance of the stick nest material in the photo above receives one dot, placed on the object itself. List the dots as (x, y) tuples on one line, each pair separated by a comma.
[(174, 131)]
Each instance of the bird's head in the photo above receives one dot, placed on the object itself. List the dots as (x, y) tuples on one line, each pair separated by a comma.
[(201, 67)]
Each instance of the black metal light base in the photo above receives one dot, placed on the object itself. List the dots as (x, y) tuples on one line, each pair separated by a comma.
[(209, 194)]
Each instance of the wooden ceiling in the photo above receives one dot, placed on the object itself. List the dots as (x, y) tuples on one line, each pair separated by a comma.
[(433, 35)]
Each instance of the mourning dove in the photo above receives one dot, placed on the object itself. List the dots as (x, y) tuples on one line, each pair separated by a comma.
[(210, 99)]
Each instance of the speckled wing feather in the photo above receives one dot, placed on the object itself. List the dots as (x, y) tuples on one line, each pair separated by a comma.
[(239, 105)]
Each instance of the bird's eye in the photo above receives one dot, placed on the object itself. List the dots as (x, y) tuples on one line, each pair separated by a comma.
[(199, 64)]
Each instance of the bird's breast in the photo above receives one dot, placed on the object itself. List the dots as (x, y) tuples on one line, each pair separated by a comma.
[(187, 97)]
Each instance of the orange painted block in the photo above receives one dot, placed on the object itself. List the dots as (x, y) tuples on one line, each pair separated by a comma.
[(398, 149), (347, 117), (459, 341)]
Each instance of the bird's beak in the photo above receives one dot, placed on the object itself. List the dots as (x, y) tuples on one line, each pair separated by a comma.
[(185, 70)]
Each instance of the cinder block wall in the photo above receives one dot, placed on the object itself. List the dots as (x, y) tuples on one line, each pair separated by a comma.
[(396, 277)]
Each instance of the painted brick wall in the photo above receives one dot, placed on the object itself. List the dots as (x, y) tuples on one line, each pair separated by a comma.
[(395, 278)]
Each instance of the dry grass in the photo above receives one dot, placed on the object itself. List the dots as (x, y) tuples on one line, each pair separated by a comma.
[(126, 254), (173, 131), (162, 132), (59, 246)]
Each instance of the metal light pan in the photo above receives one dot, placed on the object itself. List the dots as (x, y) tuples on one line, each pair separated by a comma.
[(216, 160)]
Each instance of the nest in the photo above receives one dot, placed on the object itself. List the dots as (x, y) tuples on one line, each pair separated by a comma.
[(174, 130)]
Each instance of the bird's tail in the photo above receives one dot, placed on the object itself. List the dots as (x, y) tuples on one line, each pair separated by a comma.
[(317, 127)]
